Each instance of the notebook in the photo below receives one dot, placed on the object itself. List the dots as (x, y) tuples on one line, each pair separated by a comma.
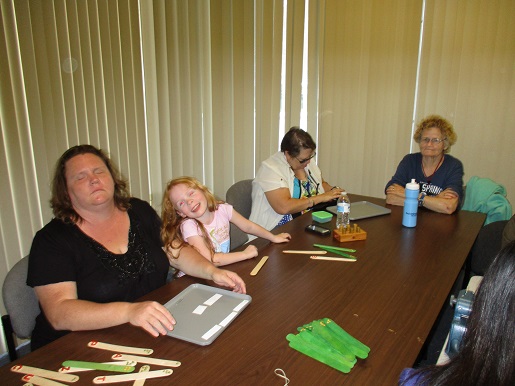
[(362, 209)]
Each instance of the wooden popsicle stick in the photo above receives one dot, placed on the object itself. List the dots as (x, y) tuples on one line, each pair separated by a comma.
[(40, 381), (118, 348), (132, 377), (307, 252), (256, 269), (332, 258), (147, 360), (45, 373), (141, 382)]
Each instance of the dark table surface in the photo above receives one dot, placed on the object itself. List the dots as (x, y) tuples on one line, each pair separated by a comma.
[(388, 299)]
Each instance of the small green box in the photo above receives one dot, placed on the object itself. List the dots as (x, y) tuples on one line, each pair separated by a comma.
[(321, 216)]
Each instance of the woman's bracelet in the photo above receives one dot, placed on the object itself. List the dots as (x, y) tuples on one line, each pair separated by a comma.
[(335, 187), (311, 203)]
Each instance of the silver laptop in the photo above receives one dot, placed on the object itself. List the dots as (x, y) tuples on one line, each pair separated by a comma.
[(362, 209)]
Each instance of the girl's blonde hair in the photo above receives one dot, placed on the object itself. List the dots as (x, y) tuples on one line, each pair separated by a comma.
[(171, 234)]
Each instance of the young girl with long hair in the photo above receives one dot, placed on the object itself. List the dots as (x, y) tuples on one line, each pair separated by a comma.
[(191, 214)]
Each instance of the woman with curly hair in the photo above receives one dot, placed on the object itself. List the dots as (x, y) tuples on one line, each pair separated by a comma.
[(439, 174)]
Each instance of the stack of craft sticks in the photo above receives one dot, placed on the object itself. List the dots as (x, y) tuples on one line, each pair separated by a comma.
[(327, 342)]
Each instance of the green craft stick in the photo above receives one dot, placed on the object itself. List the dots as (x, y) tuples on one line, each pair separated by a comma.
[(314, 352), (358, 348), (341, 254), (322, 246), (308, 326), (325, 347), (99, 366), (338, 252), (353, 345), (339, 345), (332, 324)]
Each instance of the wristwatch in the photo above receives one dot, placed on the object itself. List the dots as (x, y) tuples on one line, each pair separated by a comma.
[(421, 198)]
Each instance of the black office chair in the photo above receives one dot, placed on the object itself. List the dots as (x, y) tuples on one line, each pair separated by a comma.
[(239, 195), (21, 304)]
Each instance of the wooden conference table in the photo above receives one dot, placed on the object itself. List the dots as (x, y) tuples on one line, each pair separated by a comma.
[(388, 299)]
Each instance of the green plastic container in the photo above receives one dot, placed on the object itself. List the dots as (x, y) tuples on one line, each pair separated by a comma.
[(321, 216)]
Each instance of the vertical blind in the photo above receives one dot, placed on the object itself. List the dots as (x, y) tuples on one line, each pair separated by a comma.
[(217, 85), (70, 73), (367, 82), (468, 75), (207, 88)]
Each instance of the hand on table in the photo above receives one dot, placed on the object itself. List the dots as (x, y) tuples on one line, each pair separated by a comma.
[(153, 317), (395, 195), (281, 238), (229, 279)]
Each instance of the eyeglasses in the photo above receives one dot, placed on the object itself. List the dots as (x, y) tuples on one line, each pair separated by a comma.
[(303, 161), (434, 141)]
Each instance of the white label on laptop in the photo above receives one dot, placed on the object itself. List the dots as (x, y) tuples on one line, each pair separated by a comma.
[(199, 310), (228, 319), (212, 300), (241, 305), (211, 332)]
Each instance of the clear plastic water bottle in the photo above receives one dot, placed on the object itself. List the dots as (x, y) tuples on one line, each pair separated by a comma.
[(409, 215), (343, 211)]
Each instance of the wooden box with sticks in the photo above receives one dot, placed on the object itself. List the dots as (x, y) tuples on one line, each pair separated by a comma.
[(351, 233)]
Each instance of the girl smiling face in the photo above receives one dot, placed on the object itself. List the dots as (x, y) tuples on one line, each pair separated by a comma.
[(190, 202)]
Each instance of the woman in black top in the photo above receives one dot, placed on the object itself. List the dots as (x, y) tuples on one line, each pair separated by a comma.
[(101, 252)]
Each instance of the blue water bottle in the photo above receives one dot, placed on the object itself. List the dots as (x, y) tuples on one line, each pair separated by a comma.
[(409, 217)]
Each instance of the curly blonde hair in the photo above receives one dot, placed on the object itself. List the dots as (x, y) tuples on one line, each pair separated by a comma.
[(436, 121), (171, 234)]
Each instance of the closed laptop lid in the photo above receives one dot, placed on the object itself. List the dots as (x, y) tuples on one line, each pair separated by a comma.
[(362, 209)]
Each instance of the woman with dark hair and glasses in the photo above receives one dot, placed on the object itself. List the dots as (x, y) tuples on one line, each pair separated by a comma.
[(103, 251), (288, 184), (439, 174)]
